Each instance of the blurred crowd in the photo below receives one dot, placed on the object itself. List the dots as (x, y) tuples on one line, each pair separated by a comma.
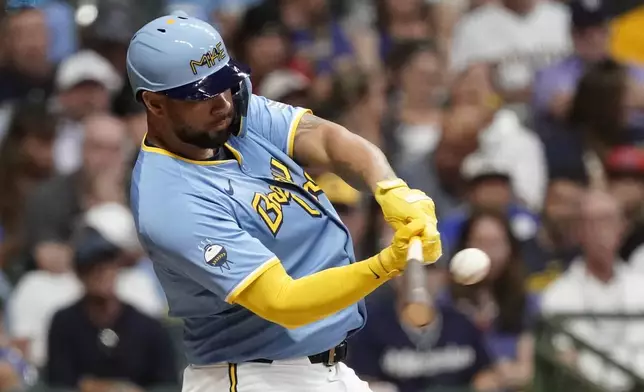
[(522, 119)]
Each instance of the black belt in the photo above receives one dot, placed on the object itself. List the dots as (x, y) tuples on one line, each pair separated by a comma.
[(328, 358)]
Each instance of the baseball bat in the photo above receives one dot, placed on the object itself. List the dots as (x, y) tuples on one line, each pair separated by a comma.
[(417, 302)]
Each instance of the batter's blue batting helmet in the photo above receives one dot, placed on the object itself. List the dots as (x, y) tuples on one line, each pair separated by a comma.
[(185, 58)]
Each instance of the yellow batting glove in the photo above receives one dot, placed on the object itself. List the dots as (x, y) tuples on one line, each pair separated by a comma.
[(394, 257), (401, 205)]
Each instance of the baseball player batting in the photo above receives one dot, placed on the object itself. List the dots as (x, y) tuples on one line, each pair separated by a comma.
[(251, 254)]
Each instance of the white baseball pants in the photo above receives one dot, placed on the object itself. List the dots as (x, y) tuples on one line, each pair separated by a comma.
[(296, 375)]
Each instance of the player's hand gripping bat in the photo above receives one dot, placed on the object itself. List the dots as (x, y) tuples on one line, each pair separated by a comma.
[(417, 302)]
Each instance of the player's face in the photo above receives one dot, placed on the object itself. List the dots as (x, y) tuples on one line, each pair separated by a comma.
[(204, 124)]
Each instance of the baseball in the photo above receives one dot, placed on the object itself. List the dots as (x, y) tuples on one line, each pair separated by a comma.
[(469, 266)]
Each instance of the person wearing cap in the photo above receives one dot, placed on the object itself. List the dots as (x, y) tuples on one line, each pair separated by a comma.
[(250, 252), (85, 83), (100, 341), (29, 313), (54, 206), (489, 186), (287, 86), (136, 283)]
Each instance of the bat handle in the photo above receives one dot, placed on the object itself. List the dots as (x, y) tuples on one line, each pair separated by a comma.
[(416, 311), (415, 250)]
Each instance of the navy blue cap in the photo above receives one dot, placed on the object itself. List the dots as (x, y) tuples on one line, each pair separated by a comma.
[(91, 248), (588, 13)]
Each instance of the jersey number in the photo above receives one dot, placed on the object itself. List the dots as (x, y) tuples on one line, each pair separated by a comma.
[(269, 205)]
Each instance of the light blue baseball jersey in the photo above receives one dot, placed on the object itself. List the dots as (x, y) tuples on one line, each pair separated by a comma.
[(210, 227)]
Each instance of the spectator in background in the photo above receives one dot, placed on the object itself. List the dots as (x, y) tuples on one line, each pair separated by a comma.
[(555, 85), (133, 114), (598, 116), (414, 124), (488, 187), (357, 19), (499, 305), (599, 282), (557, 242), (399, 21), (16, 373), (392, 356), (358, 102), (85, 83), (35, 299), (503, 137), (444, 15), (136, 282), (262, 42), (27, 72), (625, 172), (517, 37), (26, 159), (136, 285), (100, 342), (63, 40), (110, 34), (225, 14), (320, 40), (348, 204), (287, 86), (439, 173), (488, 183), (53, 208)]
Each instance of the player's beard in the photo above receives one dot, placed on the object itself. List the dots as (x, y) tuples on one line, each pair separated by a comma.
[(203, 139)]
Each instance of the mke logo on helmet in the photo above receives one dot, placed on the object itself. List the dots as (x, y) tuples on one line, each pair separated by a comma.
[(210, 58)]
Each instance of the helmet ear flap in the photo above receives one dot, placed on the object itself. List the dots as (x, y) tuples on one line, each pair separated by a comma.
[(241, 98)]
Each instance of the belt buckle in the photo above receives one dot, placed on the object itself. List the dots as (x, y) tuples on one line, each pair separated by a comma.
[(331, 358)]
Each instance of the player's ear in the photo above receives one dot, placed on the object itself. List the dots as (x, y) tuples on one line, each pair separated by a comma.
[(153, 102)]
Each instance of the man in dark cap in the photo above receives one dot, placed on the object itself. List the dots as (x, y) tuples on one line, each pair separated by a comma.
[(100, 341)]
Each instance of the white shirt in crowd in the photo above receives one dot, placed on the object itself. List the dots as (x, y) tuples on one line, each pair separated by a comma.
[(40, 294), (517, 148), (68, 147), (416, 141), (518, 44), (576, 291), (636, 259)]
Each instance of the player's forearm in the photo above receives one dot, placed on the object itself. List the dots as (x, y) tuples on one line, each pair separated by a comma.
[(325, 145), (292, 303), (359, 162)]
